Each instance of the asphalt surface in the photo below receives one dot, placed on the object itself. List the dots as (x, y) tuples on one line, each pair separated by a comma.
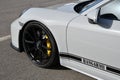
[(17, 66)]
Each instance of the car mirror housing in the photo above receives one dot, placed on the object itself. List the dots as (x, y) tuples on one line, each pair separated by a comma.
[(93, 16)]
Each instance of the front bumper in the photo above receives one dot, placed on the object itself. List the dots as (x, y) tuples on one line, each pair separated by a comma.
[(15, 32), (15, 48)]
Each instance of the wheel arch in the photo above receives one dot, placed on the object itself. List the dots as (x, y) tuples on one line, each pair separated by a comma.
[(21, 35)]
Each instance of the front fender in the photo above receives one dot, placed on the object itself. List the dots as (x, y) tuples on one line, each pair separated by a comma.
[(56, 21)]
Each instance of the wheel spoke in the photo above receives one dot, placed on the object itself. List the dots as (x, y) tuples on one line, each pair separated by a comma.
[(43, 55), (40, 55), (29, 42), (40, 51), (43, 37), (31, 50), (35, 55), (45, 47), (37, 34)]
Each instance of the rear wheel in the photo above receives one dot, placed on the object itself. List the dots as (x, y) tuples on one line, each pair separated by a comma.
[(40, 45)]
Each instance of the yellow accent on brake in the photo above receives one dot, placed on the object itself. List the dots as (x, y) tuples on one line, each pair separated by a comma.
[(48, 46), (48, 52), (46, 37)]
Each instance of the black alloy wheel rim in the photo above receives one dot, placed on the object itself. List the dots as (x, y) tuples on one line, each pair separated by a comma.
[(37, 44)]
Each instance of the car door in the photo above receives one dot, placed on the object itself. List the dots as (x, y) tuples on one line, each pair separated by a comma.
[(97, 42)]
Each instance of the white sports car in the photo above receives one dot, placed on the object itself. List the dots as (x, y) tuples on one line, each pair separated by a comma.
[(83, 36)]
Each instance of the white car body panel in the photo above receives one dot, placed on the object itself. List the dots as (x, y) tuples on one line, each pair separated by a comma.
[(67, 8), (15, 33), (75, 35), (94, 42)]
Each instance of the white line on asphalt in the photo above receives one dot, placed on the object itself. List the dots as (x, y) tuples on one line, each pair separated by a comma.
[(4, 38)]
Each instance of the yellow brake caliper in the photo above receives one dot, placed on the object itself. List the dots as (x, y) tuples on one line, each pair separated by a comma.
[(48, 46)]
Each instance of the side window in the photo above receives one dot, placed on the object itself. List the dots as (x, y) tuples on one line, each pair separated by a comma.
[(111, 11)]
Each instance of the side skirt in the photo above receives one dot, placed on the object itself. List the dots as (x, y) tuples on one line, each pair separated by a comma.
[(92, 63)]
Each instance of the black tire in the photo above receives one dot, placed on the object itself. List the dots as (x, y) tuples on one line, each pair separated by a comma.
[(40, 45)]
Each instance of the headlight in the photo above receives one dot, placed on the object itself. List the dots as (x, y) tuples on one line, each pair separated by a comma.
[(23, 12)]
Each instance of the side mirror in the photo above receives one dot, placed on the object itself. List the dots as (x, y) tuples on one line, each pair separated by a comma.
[(93, 16)]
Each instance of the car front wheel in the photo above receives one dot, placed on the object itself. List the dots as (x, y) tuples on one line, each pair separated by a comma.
[(40, 45)]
